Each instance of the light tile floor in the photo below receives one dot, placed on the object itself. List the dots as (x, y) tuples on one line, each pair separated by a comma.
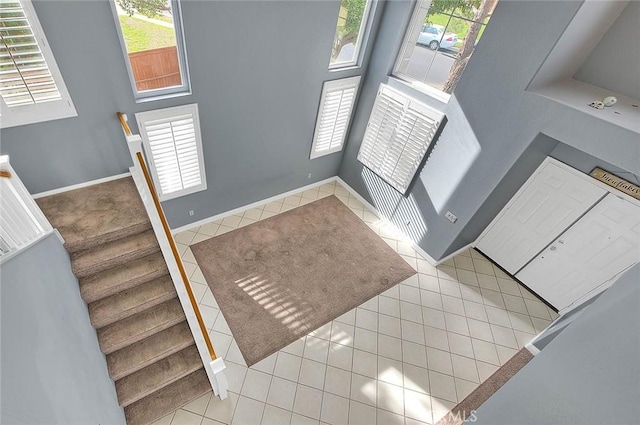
[(404, 357)]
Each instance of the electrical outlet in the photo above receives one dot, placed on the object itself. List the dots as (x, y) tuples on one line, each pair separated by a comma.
[(191, 213), (309, 176), (451, 217)]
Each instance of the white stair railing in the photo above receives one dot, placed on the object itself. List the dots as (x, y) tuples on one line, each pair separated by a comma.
[(22, 223), (214, 366)]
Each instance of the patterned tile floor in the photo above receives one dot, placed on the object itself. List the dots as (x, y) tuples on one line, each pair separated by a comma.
[(404, 357)]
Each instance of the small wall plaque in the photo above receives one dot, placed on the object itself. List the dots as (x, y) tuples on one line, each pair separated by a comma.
[(616, 182)]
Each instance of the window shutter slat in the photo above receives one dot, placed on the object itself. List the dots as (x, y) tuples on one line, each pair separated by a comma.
[(398, 135), (334, 115), (25, 76), (172, 142)]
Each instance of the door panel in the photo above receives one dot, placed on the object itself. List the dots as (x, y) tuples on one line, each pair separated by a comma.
[(590, 253), (552, 200)]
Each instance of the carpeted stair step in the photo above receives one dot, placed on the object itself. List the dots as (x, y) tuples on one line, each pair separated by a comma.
[(140, 326), (149, 350), (140, 384), (117, 279), (97, 214), (131, 301), (168, 399), (112, 254)]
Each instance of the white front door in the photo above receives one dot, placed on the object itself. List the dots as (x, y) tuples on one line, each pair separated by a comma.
[(550, 201), (589, 256)]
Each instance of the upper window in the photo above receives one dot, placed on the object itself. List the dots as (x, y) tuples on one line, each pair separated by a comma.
[(31, 86), (172, 142), (151, 36), (439, 41), (350, 33)]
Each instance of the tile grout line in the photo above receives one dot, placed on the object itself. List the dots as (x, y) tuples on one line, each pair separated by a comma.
[(421, 306)]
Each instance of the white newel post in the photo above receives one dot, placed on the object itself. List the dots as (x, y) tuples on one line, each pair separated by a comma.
[(214, 368), (219, 383)]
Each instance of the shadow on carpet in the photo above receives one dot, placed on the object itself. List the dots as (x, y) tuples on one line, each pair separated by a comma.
[(280, 278)]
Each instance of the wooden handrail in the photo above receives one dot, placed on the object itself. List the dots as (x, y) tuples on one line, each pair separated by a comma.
[(5, 173), (174, 249), (124, 124)]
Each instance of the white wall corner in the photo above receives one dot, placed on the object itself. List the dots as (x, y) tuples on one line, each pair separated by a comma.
[(532, 348), (59, 235), (219, 383)]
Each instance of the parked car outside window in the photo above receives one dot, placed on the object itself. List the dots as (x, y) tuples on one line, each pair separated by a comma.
[(434, 37)]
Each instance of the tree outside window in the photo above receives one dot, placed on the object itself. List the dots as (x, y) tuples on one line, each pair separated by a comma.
[(441, 40), (349, 32)]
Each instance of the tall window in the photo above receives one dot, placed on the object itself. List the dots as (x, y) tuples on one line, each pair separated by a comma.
[(350, 33), (151, 36), (334, 115), (440, 40), (31, 86), (173, 144)]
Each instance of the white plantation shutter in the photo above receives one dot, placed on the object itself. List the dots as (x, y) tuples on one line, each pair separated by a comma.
[(173, 145), (29, 76), (398, 135), (334, 114)]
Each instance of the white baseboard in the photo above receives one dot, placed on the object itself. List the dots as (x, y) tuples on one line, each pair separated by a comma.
[(414, 245), (352, 191), (453, 254), (532, 348), (251, 205), (79, 185)]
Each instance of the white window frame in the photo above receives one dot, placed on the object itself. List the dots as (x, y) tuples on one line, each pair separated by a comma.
[(398, 135), (46, 111), (164, 93), (336, 143), (421, 8), (167, 114), (363, 36), (411, 33)]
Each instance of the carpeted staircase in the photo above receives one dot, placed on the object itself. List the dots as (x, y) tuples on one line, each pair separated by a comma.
[(140, 324)]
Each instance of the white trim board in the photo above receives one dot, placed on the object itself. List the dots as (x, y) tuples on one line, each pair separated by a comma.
[(79, 185), (532, 348), (352, 191), (251, 205), (414, 245)]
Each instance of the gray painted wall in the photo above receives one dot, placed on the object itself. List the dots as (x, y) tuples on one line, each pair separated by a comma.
[(52, 368), (257, 69), (589, 374), (496, 132), (615, 62)]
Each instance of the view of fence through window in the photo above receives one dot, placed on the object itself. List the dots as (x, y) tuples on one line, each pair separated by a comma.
[(441, 39), (349, 32), (150, 38)]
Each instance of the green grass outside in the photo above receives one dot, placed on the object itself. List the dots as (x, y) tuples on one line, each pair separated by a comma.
[(167, 19), (142, 35)]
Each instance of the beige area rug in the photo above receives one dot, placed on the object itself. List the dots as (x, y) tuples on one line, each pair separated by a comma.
[(466, 409), (281, 278)]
